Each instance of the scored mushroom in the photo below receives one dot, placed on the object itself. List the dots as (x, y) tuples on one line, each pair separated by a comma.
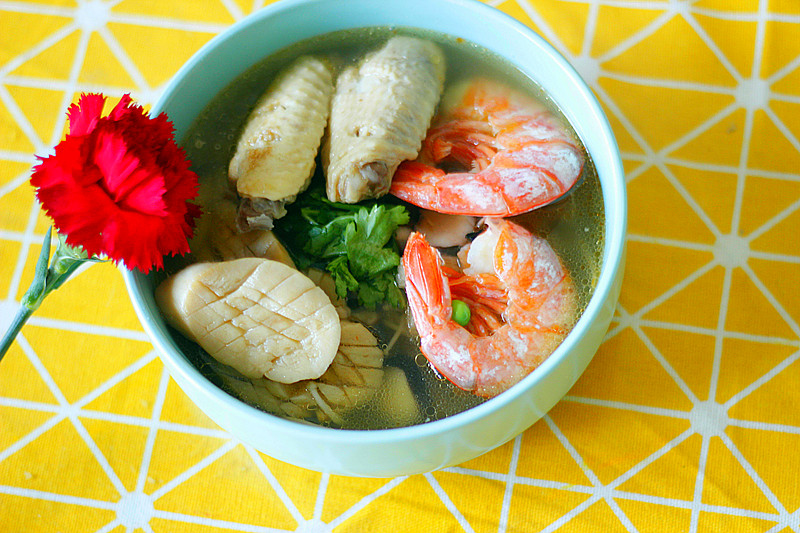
[(219, 239), (352, 380), (258, 316)]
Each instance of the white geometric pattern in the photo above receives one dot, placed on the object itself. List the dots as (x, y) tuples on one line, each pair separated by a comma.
[(645, 329)]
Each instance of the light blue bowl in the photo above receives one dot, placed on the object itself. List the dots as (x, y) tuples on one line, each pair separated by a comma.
[(466, 435)]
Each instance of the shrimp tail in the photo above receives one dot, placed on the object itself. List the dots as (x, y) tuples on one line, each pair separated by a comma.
[(426, 286), (416, 182), (443, 342)]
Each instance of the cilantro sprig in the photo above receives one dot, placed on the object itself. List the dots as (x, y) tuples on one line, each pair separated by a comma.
[(354, 242)]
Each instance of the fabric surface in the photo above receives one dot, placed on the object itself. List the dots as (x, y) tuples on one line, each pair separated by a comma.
[(687, 419)]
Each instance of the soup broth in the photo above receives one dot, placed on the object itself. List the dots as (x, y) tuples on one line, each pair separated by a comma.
[(573, 225)]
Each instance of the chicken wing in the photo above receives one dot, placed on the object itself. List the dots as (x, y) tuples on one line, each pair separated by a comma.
[(380, 112), (274, 158)]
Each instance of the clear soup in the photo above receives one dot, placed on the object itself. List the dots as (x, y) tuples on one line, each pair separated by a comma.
[(573, 225)]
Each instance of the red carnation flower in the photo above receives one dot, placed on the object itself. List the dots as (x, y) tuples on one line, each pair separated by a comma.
[(119, 186)]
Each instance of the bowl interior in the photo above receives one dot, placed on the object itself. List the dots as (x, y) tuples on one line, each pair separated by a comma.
[(289, 21)]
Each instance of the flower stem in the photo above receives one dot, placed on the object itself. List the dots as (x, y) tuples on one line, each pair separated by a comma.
[(48, 277), (23, 313)]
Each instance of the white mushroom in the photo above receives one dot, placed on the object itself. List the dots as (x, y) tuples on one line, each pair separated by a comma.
[(444, 231), (396, 401), (258, 316), (219, 239), (352, 380)]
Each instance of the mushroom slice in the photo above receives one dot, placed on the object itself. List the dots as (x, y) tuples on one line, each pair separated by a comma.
[(396, 402), (258, 316), (380, 112), (274, 158), (444, 231), (354, 376), (325, 281), (219, 239)]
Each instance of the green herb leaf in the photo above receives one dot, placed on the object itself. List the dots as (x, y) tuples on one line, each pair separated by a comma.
[(354, 242), (345, 282)]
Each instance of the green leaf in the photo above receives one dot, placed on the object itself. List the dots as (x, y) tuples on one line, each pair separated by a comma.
[(344, 280), (327, 241), (37, 291), (366, 260), (354, 242), (379, 224)]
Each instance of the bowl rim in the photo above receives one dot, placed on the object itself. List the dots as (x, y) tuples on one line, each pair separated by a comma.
[(614, 195)]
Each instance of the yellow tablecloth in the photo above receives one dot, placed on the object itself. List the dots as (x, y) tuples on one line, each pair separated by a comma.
[(688, 418)]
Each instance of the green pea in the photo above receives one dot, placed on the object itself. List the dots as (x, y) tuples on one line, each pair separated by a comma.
[(461, 312)]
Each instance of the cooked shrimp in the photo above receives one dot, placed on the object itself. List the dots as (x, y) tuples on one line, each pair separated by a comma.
[(520, 296), (498, 154)]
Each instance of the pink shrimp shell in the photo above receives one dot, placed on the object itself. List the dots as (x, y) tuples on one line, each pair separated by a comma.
[(536, 322), (521, 158)]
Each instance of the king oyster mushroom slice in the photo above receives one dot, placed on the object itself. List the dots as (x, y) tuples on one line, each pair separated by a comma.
[(397, 404), (351, 381), (445, 231), (325, 281), (258, 316), (274, 158), (380, 112), (219, 239)]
